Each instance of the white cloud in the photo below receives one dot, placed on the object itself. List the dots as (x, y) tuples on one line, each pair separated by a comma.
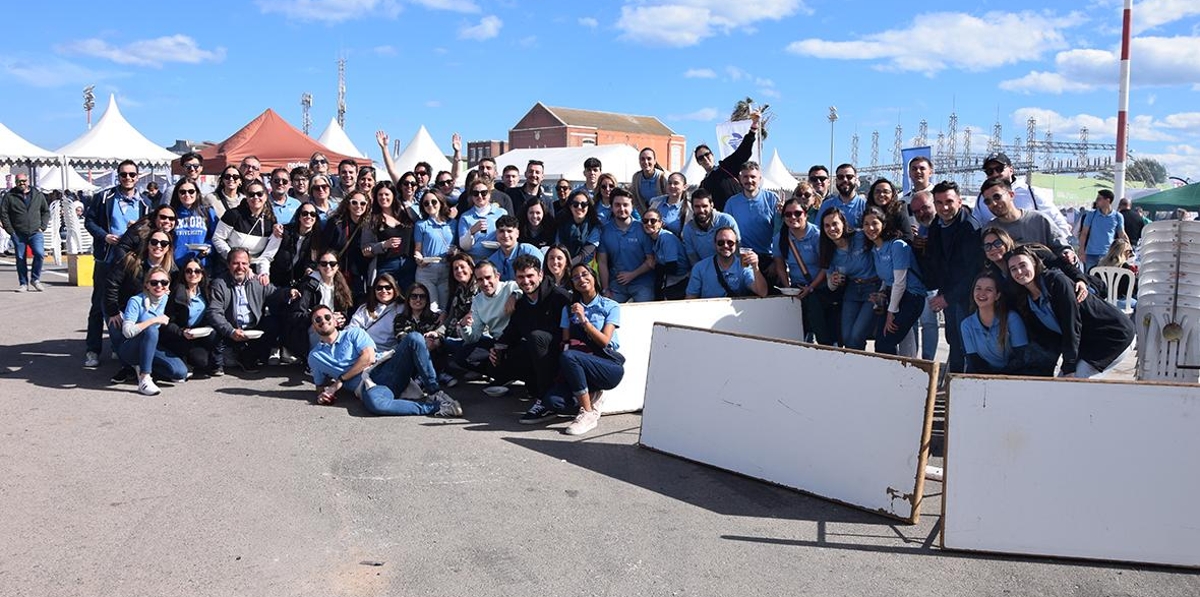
[(699, 73), (466, 6), (148, 52), (682, 23), (1154, 13), (927, 45), (589, 22), (702, 115), (384, 50), (1145, 128), (1154, 61), (48, 72), (487, 28), (330, 11), (1179, 160), (1188, 122), (433, 104), (528, 41)]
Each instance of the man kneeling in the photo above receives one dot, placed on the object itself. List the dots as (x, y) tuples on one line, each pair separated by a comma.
[(346, 358)]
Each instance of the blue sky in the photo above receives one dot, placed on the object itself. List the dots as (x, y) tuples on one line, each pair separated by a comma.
[(201, 71)]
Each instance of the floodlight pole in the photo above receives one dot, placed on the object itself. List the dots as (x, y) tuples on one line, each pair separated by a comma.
[(833, 117)]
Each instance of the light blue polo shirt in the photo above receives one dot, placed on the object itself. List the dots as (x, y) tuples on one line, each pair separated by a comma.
[(504, 265), (853, 210), (698, 244), (809, 249), (600, 312), (985, 341), (468, 218), (1043, 310), (328, 361), (670, 213), (704, 284), (755, 217), (855, 260), (435, 238), (284, 213), (626, 251), (1102, 231), (668, 249), (895, 255)]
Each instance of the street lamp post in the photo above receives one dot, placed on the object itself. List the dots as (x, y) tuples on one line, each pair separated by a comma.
[(833, 116)]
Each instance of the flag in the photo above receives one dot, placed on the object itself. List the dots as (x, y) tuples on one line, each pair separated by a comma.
[(729, 136)]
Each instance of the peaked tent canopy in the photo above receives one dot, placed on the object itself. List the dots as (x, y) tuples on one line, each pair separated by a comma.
[(567, 162), (273, 141), (776, 175), (14, 149), (693, 172), (1186, 197), (50, 178), (113, 140), (422, 148), (335, 138)]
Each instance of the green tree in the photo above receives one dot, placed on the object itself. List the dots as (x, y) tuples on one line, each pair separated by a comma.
[(1147, 171)]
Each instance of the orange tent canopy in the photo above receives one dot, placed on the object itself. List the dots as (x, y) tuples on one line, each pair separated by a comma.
[(273, 141)]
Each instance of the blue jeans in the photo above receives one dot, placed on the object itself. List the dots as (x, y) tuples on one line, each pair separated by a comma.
[(928, 324), (142, 351), (910, 309), (392, 377), (37, 243), (582, 373), (954, 314), (95, 320), (637, 292), (858, 314)]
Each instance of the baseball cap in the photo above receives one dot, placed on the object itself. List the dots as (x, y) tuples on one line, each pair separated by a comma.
[(997, 156)]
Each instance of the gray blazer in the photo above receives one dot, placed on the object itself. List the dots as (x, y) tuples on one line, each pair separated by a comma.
[(220, 313)]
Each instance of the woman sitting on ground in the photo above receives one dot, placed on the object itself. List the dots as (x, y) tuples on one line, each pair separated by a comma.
[(323, 287), (994, 338), (378, 315), (143, 317), (185, 333)]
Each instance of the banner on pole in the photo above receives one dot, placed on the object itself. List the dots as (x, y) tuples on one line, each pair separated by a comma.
[(906, 156)]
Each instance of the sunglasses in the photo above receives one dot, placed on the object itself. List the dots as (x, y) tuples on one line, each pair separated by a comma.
[(479, 193), (818, 178), (993, 170), (431, 203), (608, 187), (158, 283), (996, 244), (802, 196), (416, 296), (649, 221), (846, 176), (446, 182), (579, 204), (167, 218), (281, 181), (320, 161), (328, 264), (408, 183), (561, 189), (193, 271), (320, 187), (159, 243), (385, 287), (358, 203), (726, 243), (992, 199), (326, 317), (420, 173), (231, 176), (193, 166), (308, 214), (793, 214), (256, 195), (128, 175), (187, 191), (22, 181)]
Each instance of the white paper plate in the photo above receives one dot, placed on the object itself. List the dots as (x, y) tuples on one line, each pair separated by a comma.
[(490, 244), (198, 246), (788, 291), (495, 391), (253, 334), (201, 332), (431, 260)]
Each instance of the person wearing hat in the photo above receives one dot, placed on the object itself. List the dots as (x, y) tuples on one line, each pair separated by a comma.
[(998, 164)]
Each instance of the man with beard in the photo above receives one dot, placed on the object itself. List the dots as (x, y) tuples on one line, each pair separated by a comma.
[(847, 199), (626, 256), (1023, 225), (997, 164), (921, 205), (728, 273), (698, 233), (754, 210), (955, 254), (237, 310)]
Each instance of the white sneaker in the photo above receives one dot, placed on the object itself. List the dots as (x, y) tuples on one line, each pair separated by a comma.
[(23, 288), (91, 360), (37, 285), (274, 358), (147, 387), (584, 422)]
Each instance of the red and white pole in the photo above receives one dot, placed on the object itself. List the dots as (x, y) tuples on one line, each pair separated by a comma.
[(1123, 104)]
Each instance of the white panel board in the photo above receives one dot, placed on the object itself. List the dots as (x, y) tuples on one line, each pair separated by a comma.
[(773, 317), (1099, 470), (848, 426)]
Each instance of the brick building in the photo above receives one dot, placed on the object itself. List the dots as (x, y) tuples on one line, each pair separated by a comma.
[(546, 126)]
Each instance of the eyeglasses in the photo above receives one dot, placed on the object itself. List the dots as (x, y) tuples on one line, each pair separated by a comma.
[(793, 214), (415, 296), (993, 170), (326, 317), (187, 191), (479, 193), (993, 199), (256, 195), (448, 181), (159, 243), (328, 263), (579, 204), (192, 271), (308, 214), (159, 283), (651, 221), (193, 166), (320, 161), (231, 176), (281, 181), (167, 218), (726, 243), (561, 189), (320, 187), (358, 203), (846, 176), (704, 156), (128, 175), (430, 203), (608, 187), (384, 287), (818, 179), (996, 244), (420, 173)]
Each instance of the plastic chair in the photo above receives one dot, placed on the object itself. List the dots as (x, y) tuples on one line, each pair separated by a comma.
[(1115, 278), (1159, 359)]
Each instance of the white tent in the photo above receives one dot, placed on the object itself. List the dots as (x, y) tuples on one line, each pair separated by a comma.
[(776, 175), (335, 138), (567, 162), (50, 178), (14, 149), (422, 148), (693, 171), (112, 140)]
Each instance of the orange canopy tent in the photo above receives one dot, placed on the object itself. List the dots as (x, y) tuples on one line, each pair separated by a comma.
[(273, 141)]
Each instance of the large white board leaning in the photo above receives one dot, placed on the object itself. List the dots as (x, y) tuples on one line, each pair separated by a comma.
[(843, 425), (774, 317), (1098, 470)]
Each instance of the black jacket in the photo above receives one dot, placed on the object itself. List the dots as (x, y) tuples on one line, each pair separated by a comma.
[(292, 264), (98, 220), (1092, 331), (954, 254), (723, 181), (545, 315)]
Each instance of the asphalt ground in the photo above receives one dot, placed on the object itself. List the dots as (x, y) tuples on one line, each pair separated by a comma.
[(243, 486)]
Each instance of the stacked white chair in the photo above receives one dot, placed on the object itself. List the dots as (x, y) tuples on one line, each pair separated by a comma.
[(1167, 317)]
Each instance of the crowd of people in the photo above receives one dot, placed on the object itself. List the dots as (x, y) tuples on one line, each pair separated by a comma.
[(394, 288)]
